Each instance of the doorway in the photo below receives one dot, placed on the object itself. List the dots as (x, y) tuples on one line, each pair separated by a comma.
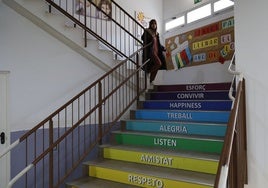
[(4, 128)]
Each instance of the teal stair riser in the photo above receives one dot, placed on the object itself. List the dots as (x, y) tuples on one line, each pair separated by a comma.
[(187, 105), (185, 116), (176, 128), (188, 144)]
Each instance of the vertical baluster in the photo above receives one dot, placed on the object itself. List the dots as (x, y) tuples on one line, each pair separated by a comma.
[(51, 174)]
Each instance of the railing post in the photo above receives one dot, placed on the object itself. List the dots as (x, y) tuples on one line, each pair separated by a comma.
[(85, 23), (244, 131), (100, 113), (51, 174), (138, 78), (49, 8), (240, 153), (231, 175)]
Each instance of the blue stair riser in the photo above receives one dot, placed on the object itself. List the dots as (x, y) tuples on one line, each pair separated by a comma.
[(195, 87), (185, 116), (188, 105), (221, 95), (177, 128)]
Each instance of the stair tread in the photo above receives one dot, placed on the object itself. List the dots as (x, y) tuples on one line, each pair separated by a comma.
[(185, 101), (176, 110), (176, 122), (160, 172), (206, 83), (195, 86), (184, 91), (188, 154), (91, 182)]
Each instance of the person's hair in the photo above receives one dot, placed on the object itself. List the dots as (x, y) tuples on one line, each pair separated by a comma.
[(105, 2), (153, 21)]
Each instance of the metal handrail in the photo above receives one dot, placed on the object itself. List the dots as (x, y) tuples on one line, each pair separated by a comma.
[(131, 29), (104, 99), (235, 134), (51, 2), (104, 89), (232, 63), (235, 73)]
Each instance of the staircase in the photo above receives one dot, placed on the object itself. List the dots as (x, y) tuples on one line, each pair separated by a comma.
[(174, 139), (60, 27)]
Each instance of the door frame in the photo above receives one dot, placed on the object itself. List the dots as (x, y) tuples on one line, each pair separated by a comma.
[(4, 127)]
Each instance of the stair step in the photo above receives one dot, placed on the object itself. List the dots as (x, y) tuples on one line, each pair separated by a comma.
[(166, 158), (182, 116), (186, 105), (141, 175), (91, 182), (186, 128), (191, 95), (195, 87), (168, 141)]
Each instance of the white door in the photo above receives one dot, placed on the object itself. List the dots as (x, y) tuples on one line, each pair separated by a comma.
[(4, 129)]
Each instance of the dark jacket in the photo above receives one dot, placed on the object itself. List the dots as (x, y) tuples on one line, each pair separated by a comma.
[(147, 52)]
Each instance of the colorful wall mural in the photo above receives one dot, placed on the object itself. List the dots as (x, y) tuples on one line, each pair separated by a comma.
[(208, 44)]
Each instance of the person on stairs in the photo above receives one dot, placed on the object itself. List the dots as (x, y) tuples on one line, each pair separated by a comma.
[(154, 51)]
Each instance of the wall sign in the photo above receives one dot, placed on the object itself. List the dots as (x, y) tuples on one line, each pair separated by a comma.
[(208, 44), (86, 8), (197, 1)]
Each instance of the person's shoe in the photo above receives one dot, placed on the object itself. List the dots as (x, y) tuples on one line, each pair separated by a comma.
[(151, 84)]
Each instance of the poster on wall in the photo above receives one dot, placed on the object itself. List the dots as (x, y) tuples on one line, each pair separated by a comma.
[(86, 8), (144, 21), (208, 44)]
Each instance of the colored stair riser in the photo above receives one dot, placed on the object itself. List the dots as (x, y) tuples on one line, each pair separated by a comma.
[(190, 96), (169, 161), (177, 128), (195, 87), (188, 105), (139, 179), (188, 144), (185, 116)]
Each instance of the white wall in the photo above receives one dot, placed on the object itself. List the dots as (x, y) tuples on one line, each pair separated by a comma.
[(176, 7), (43, 71), (251, 58), (151, 8)]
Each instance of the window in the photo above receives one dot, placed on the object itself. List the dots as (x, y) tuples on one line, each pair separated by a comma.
[(222, 4), (199, 13), (175, 23)]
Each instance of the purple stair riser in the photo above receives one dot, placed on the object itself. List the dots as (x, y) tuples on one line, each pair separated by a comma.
[(194, 87)]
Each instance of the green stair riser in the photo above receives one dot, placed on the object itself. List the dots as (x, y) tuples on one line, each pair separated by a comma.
[(177, 162), (201, 145), (140, 180)]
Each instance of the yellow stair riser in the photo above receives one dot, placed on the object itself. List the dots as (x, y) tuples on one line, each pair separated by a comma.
[(139, 179), (177, 162)]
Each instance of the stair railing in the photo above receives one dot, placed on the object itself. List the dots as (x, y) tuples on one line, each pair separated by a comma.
[(56, 146), (232, 169), (118, 31)]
